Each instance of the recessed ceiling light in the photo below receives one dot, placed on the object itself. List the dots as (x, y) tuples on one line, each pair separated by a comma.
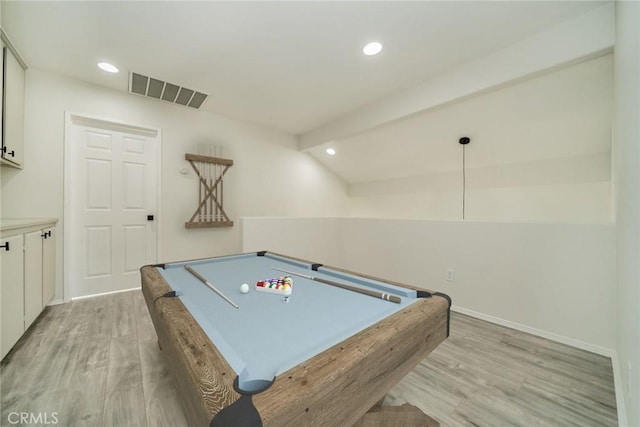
[(372, 48), (109, 68), (331, 151)]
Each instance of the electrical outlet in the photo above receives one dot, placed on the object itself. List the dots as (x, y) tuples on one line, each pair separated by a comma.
[(450, 275)]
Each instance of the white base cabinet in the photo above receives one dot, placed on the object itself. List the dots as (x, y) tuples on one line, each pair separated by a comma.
[(12, 291), (32, 276), (27, 258), (48, 266)]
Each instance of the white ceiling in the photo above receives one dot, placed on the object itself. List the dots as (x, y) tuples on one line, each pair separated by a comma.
[(514, 124), (292, 65)]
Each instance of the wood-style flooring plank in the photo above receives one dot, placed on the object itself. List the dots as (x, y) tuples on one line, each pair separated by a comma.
[(493, 409), (124, 315), (162, 402), (144, 325), (84, 403), (81, 316), (101, 320), (124, 397)]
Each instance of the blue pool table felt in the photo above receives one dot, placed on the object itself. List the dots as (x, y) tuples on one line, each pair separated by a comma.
[(265, 337)]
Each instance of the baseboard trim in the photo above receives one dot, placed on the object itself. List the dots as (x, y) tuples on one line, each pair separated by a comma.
[(619, 386), (603, 351), (56, 302), (104, 293)]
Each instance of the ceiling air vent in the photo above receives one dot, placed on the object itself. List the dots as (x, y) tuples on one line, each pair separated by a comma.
[(154, 88)]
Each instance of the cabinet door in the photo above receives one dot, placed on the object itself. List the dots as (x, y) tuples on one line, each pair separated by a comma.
[(48, 266), (12, 292), (12, 109), (32, 277)]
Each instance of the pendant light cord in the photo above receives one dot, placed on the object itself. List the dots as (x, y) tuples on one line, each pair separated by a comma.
[(464, 141), (464, 179)]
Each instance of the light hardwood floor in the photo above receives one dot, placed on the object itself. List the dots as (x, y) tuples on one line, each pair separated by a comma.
[(95, 362)]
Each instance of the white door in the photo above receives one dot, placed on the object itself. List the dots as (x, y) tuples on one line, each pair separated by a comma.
[(113, 181)]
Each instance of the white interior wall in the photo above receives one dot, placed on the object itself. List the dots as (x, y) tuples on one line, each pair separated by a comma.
[(587, 202), (269, 176), (540, 151), (627, 184), (555, 280), (306, 238)]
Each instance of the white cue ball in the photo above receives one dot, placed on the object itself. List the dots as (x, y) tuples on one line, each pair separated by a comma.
[(244, 288)]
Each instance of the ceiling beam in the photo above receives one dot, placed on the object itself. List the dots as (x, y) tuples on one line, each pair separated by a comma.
[(585, 36)]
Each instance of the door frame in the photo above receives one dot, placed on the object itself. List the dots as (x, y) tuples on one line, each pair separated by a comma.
[(76, 119)]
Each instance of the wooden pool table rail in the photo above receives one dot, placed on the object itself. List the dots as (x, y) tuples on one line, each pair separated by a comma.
[(336, 387)]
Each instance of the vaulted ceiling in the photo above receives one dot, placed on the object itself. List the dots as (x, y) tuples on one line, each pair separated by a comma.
[(296, 66)]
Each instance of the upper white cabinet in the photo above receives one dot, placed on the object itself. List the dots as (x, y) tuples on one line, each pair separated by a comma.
[(2, 162), (13, 94)]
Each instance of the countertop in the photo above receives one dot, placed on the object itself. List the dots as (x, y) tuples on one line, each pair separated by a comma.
[(7, 224)]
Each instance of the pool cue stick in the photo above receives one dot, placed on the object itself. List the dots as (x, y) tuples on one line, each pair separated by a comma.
[(200, 168), (219, 169), (215, 179), (381, 295), (209, 218), (208, 184), (203, 165), (200, 193), (204, 191), (222, 171), (209, 285), (214, 173), (219, 191), (199, 198)]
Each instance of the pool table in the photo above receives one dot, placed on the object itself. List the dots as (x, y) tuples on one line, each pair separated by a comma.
[(322, 356)]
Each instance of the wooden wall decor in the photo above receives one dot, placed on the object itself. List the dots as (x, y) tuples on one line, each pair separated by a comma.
[(210, 172)]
